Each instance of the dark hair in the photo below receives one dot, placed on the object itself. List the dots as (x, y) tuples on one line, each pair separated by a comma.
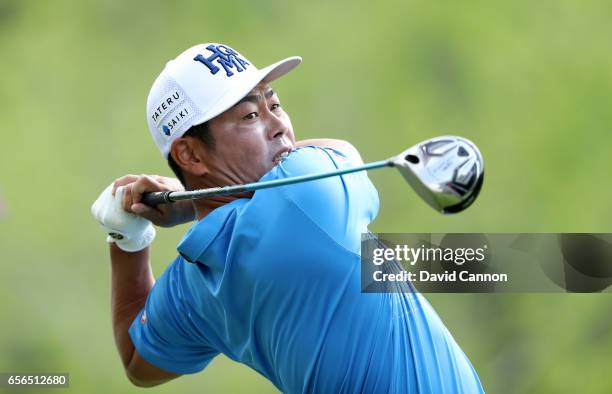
[(201, 132)]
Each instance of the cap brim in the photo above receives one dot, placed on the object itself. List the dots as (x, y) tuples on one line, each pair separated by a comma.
[(279, 69), (268, 74)]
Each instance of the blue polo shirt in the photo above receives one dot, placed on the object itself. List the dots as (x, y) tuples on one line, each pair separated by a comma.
[(274, 282)]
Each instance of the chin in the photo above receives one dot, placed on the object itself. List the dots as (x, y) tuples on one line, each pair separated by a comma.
[(261, 171), (267, 169)]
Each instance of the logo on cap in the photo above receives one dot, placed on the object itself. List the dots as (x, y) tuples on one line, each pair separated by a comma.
[(225, 57)]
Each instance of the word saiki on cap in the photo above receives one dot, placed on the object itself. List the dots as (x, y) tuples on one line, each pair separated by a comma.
[(201, 83)]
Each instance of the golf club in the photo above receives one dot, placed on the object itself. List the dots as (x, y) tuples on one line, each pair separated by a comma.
[(447, 172)]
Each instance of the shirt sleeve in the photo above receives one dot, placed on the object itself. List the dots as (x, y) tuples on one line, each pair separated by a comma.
[(164, 332), (341, 206)]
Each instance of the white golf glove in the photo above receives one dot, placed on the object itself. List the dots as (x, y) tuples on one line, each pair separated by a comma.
[(129, 232)]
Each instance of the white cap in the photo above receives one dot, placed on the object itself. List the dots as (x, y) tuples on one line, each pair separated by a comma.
[(201, 83)]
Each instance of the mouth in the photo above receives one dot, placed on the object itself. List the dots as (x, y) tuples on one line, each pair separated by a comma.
[(281, 155)]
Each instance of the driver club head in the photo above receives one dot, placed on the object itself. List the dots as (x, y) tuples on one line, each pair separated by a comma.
[(447, 172)]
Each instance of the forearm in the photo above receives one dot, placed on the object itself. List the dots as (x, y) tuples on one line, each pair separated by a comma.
[(320, 142), (341, 145), (131, 281)]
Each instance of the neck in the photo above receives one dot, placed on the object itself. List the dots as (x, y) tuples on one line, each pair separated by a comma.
[(207, 205)]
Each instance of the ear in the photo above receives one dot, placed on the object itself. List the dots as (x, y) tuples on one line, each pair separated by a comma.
[(188, 153)]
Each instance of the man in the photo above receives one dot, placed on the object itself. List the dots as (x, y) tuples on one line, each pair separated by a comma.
[(270, 279)]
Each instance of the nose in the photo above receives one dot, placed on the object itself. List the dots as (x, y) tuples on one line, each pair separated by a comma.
[(276, 126)]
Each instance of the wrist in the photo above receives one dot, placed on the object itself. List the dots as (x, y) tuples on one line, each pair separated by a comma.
[(133, 242), (189, 213)]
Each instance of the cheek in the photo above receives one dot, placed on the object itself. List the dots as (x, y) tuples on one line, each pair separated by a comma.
[(251, 147), (251, 155)]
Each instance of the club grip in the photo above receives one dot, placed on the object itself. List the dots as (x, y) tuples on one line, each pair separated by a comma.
[(156, 198)]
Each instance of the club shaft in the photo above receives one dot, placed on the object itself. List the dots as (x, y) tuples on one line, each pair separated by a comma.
[(153, 199)]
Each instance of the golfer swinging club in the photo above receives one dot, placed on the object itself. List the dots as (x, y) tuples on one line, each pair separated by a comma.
[(271, 279)]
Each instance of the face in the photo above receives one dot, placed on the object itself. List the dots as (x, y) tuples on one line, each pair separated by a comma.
[(249, 137)]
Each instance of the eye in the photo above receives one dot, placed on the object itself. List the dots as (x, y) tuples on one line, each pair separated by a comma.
[(250, 116), (275, 106)]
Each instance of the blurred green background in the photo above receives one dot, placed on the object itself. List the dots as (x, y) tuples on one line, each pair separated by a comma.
[(529, 82)]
